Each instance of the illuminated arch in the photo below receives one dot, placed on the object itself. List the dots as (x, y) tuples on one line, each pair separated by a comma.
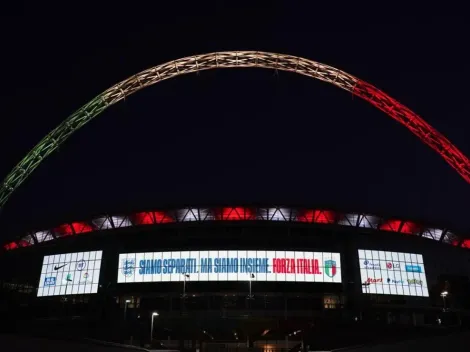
[(231, 59)]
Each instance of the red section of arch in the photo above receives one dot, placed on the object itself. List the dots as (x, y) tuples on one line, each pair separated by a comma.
[(416, 125)]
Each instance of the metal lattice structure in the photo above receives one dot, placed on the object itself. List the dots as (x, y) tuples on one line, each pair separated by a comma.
[(233, 59), (180, 216)]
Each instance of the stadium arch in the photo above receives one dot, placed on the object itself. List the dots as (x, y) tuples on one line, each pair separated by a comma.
[(232, 59)]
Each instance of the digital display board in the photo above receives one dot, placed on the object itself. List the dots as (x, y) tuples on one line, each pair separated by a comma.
[(70, 274), (392, 273), (230, 265)]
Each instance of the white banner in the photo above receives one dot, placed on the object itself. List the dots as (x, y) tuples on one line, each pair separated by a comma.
[(70, 274), (230, 265), (392, 273)]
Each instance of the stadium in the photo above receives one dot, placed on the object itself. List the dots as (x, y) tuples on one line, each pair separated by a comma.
[(312, 269), (235, 276)]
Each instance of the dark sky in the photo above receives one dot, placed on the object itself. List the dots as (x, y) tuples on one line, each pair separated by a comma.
[(238, 136)]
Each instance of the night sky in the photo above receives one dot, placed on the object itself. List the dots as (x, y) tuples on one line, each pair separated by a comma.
[(241, 136)]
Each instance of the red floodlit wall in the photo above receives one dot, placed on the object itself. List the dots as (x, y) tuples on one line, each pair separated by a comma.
[(73, 228), (409, 227), (64, 230), (81, 227), (236, 213), (245, 214), (405, 227), (152, 217), (10, 246), (390, 225), (317, 216), (466, 244)]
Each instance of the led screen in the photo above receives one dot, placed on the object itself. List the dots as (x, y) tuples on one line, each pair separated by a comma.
[(70, 273), (230, 265), (392, 273)]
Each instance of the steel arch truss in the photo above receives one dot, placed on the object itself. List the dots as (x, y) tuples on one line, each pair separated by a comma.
[(231, 59)]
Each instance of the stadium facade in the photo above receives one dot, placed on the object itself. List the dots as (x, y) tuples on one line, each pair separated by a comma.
[(238, 274)]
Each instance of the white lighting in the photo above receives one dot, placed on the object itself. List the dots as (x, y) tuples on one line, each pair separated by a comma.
[(392, 273), (155, 314), (70, 274)]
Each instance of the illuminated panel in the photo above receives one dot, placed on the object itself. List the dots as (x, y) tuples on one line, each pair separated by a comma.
[(103, 223), (43, 236), (317, 216), (206, 214), (70, 274), (144, 218), (121, 221), (81, 227), (72, 229), (451, 238), (184, 215), (409, 227), (392, 273), (368, 221), (360, 220), (466, 243), (236, 213), (10, 246), (406, 227), (26, 241), (432, 234), (278, 214), (391, 225), (349, 220), (64, 230), (230, 265)]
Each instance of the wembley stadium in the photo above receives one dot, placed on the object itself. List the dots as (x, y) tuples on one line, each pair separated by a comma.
[(234, 276)]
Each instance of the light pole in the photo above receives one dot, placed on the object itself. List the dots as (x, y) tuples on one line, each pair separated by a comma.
[(444, 295), (154, 314), (127, 301), (186, 276), (252, 276)]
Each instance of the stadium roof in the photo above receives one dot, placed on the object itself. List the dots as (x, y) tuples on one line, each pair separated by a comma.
[(233, 214)]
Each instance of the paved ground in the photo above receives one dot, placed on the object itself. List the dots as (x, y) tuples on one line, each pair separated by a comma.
[(22, 344), (458, 342)]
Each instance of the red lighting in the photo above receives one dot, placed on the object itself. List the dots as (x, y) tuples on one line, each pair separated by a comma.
[(416, 125), (23, 243), (81, 227), (406, 227), (409, 228), (64, 230), (152, 217), (236, 213), (75, 228), (10, 246), (318, 216), (466, 244), (390, 225)]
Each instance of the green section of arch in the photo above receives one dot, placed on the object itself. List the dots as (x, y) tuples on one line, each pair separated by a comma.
[(154, 75)]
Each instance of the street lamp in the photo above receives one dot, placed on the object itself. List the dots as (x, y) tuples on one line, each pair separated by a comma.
[(154, 314), (252, 276), (125, 307), (185, 276), (444, 295)]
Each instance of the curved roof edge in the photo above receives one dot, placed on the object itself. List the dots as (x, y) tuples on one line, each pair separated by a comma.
[(241, 213)]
